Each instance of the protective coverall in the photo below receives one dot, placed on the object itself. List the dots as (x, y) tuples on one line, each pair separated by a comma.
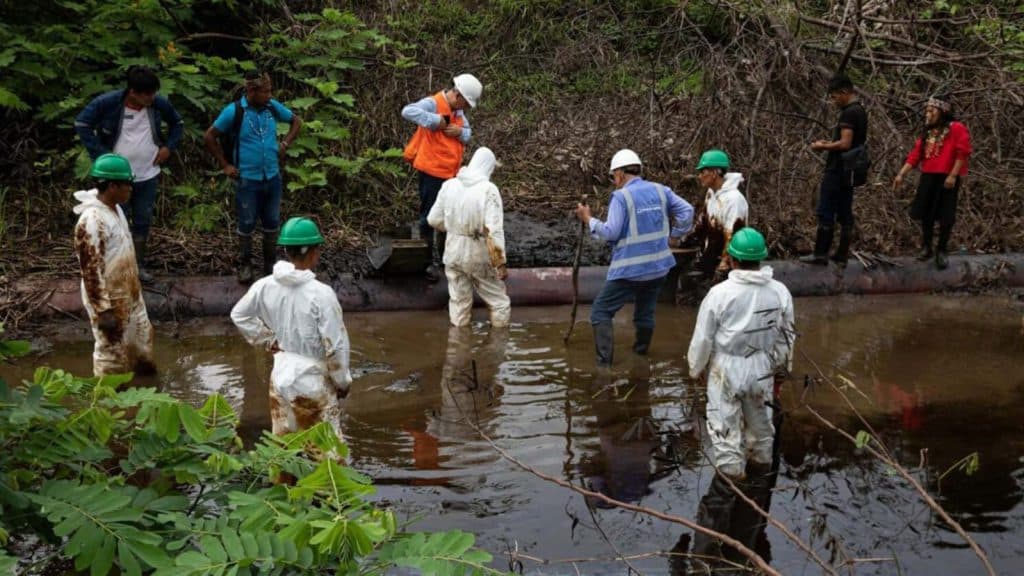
[(110, 281), (725, 212), (743, 337), (469, 209), (303, 317)]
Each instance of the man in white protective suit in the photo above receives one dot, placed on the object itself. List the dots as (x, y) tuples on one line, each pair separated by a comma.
[(111, 291), (743, 343), (725, 210), (468, 208), (299, 320)]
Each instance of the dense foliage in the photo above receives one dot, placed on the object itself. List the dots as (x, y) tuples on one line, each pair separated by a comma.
[(130, 479), (566, 84)]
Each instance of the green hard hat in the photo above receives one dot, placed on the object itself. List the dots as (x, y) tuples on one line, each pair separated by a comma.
[(748, 245), (300, 231), (112, 167), (713, 158)]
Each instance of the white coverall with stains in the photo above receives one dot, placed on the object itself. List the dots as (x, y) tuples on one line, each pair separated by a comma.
[(110, 281), (303, 316), (725, 209), (469, 209), (743, 337)]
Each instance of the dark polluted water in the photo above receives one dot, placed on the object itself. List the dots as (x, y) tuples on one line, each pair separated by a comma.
[(937, 377)]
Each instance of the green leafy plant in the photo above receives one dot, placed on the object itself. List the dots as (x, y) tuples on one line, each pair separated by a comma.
[(134, 481)]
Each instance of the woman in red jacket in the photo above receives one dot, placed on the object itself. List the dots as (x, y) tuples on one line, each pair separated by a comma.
[(942, 152)]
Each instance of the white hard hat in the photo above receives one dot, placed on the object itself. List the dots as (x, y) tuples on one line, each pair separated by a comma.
[(623, 158), (470, 88)]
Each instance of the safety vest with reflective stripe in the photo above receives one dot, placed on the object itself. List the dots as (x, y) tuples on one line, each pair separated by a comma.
[(644, 250), (432, 151)]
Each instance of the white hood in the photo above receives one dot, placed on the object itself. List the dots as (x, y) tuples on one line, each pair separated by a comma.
[(732, 181), (479, 169), (286, 274), (762, 276), (87, 199)]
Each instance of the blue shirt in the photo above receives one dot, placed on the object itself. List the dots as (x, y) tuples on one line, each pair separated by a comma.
[(257, 138), (616, 227)]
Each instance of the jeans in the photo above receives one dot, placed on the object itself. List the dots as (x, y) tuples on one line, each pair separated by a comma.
[(258, 198), (429, 187), (836, 199), (139, 208), (616, 293)]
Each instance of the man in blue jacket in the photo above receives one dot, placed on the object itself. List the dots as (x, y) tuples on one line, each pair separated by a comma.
[(128, 122), (638, 228)]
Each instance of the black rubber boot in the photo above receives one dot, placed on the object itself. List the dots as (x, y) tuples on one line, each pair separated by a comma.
[(842, 253), (433, 272), (643, 340), (269, 252), (714, 512), (604, 344), (439, 241), (822, 242), (140, 259), (245, 259), (941, 256)]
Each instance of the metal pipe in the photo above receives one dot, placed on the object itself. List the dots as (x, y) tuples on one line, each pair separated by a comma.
[(210, 296)]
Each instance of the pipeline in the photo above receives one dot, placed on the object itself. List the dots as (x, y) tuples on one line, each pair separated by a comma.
[(174, 298)]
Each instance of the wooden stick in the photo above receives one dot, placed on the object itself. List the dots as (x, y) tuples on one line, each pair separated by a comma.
[(576, 279)]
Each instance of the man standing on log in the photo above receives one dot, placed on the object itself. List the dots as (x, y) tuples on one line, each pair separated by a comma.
[(836, 195), (127, 122), (298, 319), (436, 148), (111, 291), (638, 229), (743, 345), (942, 153), (249, 127)]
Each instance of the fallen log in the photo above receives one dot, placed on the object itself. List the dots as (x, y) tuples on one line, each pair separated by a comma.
[(214, 296)]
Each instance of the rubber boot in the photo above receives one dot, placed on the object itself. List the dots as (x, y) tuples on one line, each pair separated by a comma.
[(842, 253), (643, 340), (822, 243), (140, 259), (245, 259), (440, 238), (269, 252), (433, 272), (941, 256), (714, 512), (927, 229), (604, 344)]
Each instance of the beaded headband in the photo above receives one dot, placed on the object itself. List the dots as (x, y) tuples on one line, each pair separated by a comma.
[(940, 104)]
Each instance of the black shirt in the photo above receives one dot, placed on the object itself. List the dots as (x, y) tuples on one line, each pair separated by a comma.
[(852, 116)]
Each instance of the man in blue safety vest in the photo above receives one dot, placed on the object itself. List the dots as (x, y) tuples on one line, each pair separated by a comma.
[(638, 228)]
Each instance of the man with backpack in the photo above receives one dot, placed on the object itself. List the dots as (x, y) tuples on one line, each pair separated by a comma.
[(128, 122), (243, 140)]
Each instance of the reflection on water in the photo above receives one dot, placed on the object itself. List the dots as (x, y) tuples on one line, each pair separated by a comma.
[(937, 377)]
